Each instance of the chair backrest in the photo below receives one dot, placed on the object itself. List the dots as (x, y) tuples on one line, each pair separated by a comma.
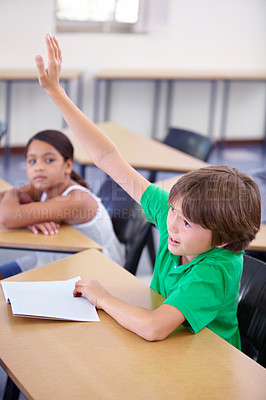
[(129, 221), (252, 309), (189, 142)]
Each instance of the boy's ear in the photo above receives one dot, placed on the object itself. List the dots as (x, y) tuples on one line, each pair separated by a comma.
[(222, 245)]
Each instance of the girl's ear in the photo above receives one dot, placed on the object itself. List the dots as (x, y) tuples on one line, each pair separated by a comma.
[(222, 245), (69, 166)]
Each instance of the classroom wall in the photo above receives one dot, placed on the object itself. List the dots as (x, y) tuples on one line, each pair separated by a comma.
[(199, 35)]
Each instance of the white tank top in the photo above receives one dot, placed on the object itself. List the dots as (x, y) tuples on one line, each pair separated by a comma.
[(100, 229)]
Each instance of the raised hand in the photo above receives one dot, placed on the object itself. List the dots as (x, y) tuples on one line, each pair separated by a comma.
[(49, 77)]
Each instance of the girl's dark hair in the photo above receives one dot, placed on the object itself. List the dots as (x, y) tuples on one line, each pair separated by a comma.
[(63, 145), (223, 200)]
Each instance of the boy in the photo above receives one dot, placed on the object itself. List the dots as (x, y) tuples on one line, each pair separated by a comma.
[(209, 219)]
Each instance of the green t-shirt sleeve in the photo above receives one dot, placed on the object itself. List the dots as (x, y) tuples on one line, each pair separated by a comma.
[(154, 202), (199, 295)]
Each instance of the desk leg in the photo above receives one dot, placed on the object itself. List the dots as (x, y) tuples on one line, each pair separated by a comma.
[(82, 170), (96, 100), (8, 118), (156, 102), (224, 113), (66, 85), (168, 107), (107, 102), (212, 108), (264, 144), (107, 98), (79, 92), (80, 85)]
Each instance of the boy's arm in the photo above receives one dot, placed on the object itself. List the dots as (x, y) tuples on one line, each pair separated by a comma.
[(151, 325), (101, 149)]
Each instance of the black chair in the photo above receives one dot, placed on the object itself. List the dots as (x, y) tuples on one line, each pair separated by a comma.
[(189, 142), (11, 392), (129, 221), (252, 309)]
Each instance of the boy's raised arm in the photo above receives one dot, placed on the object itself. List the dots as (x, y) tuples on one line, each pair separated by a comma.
[(101, 149)]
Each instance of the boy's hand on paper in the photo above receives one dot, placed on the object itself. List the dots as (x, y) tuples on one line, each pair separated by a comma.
[(92, 290), (47, 228), (49, 77)]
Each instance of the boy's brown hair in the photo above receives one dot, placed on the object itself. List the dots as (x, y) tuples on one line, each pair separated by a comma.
[(224, 200)]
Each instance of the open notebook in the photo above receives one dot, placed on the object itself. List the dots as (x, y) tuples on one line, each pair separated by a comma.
[(48, 300)]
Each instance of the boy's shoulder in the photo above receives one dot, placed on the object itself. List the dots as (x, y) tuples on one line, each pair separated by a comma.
[(228, 263), (223, 254)]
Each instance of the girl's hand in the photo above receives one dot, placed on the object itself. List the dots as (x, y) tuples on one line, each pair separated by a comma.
[(92, 290), (25, 198), (49, 77), (2, 194), (47, 228)]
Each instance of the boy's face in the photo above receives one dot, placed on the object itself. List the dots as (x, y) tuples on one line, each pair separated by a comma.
[(186, 238)]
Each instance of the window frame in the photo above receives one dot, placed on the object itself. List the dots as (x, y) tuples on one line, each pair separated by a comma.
[(113, 26)]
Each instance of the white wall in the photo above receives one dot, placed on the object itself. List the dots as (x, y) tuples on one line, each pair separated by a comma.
[(200, 34)]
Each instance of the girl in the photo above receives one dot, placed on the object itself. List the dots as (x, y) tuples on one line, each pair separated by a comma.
[(55, 193), (209, 217)]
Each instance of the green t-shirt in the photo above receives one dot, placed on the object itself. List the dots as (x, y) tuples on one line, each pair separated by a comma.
[(206, 289)]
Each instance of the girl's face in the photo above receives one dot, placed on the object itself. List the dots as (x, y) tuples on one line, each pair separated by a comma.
[(46, 167), (186, 238)]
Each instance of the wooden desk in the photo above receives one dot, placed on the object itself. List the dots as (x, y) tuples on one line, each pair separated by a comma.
[(4, 185), (169, 77), (101, 360), (174, 74), (67, 239), (139, 151), (11, 76), (259, 243)]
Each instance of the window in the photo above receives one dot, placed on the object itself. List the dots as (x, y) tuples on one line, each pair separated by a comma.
[(96, 15), (137, 16)]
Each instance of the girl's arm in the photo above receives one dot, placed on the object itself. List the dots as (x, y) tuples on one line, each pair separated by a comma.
[(25, 193), (11, 215), (75, 208), (101, 149), (2, 194), (151, 325)]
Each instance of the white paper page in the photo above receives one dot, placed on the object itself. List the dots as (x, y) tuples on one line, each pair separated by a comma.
[(48, 300)]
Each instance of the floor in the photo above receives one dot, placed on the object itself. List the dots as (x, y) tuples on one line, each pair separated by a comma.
[(251, 159)]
